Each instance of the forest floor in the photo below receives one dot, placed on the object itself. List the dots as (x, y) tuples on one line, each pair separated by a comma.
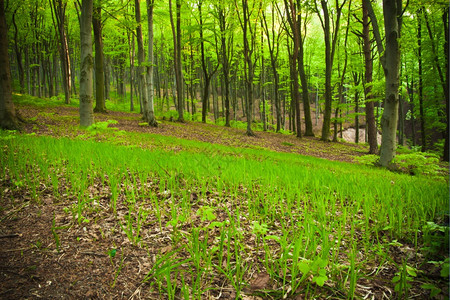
[(31, 267), (64, 121)]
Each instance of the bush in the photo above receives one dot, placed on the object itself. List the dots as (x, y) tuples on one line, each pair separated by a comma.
[(415, 163)]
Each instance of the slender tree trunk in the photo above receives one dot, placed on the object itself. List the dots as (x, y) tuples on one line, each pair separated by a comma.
[(59, 9), (131, 71), (419, 57), (445, 19), (248, 64), (206, 75), (273, 63), (304, 79), (295, 27), (141, 59), (371, 127), (225, 63), (150, 76), (87, 65), (176, 32), (356, 81), (99, 64), (18, 56)]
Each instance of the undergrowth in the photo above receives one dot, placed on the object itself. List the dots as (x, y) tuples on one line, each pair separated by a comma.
[(315, 227)]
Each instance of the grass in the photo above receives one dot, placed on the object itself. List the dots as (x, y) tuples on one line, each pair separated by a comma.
[(314, 226)]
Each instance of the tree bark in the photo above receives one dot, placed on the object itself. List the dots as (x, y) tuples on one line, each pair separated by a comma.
[(419, 58), (392, 10), (8, 117), (18, 55), (304, 79), (371, 127), (141, 60), (150, 118), (176, 32), (206, 75), (99, 61), (225, 63), (445, 19), (87, 62), (59, 9), (330, 46), (295, 27), (273, 63)]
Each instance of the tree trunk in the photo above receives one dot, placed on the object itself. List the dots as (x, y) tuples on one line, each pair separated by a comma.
[(150, 117), (8, 118), (206, 75), (419, 57), (225, 63), (59, 9), (445, 18), (330, 45), (304, 80), (18, 56), (176, 32), (295, 27), (391, 63), (371, 127), (141, 59), (99, 64), (87, 62)]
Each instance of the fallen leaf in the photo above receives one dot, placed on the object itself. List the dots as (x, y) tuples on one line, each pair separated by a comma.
[(260, 282)]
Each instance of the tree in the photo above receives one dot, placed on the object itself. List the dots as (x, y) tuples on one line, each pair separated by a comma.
[(8, 117), (87, 65), (292, 17), (99, 61), (368, 78), (142, 73), (390, 61), (247, 30), (330, 46), (149, 116), (59, 19), (176, 33), (273, 41), (225, 48), (206, 75)]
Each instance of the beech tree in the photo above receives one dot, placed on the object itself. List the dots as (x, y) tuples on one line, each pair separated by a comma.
[(59, 21), (176, 33), (330, 47), (390, 61), (149, 115), (99, 61), (8, 117), (87, 65)]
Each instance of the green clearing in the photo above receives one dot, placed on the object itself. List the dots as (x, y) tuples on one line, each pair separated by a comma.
[(306, 225)]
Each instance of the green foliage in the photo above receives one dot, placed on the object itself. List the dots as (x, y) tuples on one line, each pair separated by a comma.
[(419, 163), (414, 163)]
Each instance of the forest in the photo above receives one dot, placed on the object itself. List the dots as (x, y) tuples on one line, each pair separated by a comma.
[(224, 149)]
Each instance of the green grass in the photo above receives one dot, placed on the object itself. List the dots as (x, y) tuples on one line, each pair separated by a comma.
[(313, 225)]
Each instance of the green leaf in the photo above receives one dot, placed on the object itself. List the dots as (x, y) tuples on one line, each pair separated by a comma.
[(304, 267), (320, 280), (396, 279), (112, 252), (445, 270), (434, 291)]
